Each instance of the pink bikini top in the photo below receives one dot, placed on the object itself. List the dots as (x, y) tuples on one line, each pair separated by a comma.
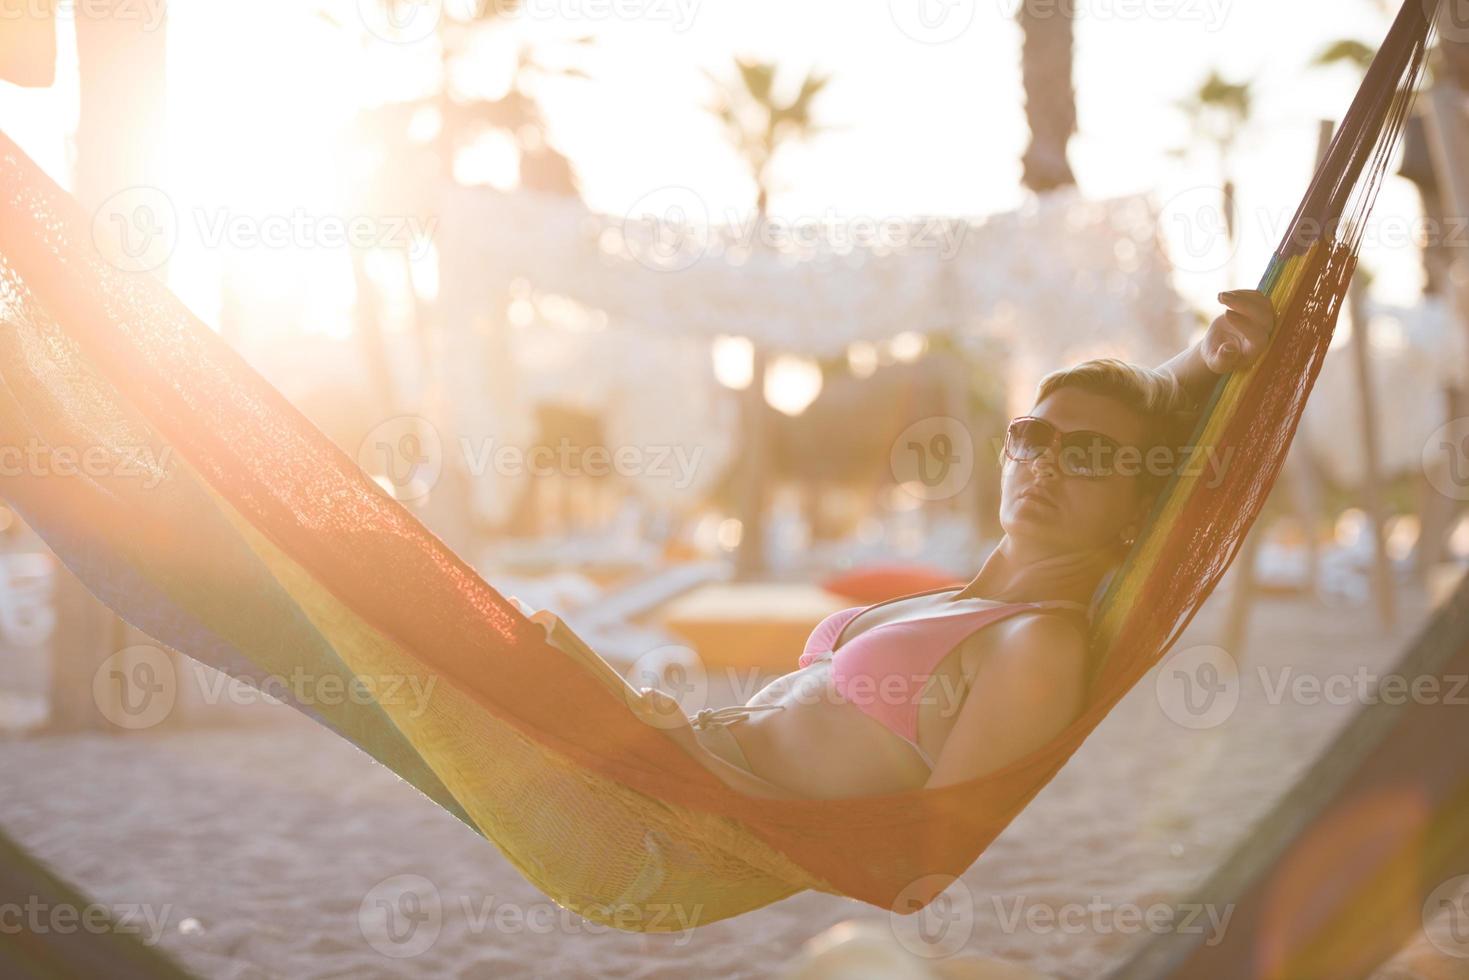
[(883, 670)]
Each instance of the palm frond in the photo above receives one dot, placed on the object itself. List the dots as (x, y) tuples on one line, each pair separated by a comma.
[(758, 78), (1346, 51)]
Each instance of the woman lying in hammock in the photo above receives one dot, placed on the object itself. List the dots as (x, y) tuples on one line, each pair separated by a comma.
[(917, 692)]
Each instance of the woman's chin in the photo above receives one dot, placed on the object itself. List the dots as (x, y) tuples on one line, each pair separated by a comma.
[(1036, 528), (1031, 512)]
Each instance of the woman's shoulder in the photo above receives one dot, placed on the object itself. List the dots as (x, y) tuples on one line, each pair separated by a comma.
[(1032, 658), (1054, 633)]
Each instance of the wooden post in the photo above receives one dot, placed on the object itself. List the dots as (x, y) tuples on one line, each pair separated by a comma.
[(1447, 129), (1438, 510), (1376, 505), (750, 555), (1447, 117), (1306, 499), (1373, 498), (1305, 491), (1242, 593)]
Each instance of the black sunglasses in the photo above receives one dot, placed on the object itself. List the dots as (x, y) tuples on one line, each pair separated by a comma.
[(1081, 452)]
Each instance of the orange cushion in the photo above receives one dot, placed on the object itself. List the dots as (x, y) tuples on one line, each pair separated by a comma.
[(874, 583)]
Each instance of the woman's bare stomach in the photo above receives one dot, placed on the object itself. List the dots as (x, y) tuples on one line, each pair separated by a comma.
[(820, 745)]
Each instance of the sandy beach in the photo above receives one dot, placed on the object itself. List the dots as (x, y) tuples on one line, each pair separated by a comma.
[(258, 850)]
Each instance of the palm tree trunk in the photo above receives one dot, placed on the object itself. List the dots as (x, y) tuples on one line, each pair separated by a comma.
[(750, 556), (755, 433), (119, 137), (1050, 99)]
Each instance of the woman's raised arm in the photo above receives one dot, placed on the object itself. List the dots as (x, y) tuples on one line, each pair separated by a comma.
[(1235, 338)]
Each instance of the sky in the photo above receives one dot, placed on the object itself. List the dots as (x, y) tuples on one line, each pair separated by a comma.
[(925, 104)]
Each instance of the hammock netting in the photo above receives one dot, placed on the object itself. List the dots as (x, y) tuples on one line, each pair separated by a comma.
[(249, 542)]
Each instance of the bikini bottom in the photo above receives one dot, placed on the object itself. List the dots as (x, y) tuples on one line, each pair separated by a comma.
[(711, 728)]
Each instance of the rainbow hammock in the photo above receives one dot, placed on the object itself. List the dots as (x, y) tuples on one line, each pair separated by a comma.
[(262, 550)]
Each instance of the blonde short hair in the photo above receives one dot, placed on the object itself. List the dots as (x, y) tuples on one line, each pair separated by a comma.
[(1155, 395)]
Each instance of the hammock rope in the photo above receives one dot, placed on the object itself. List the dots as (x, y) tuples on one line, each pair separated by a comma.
[(251, 543)]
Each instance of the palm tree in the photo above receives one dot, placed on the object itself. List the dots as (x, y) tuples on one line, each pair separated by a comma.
[(406, 173), (758, 124), (1417, 165), (1218, 111), (1046, 56)]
